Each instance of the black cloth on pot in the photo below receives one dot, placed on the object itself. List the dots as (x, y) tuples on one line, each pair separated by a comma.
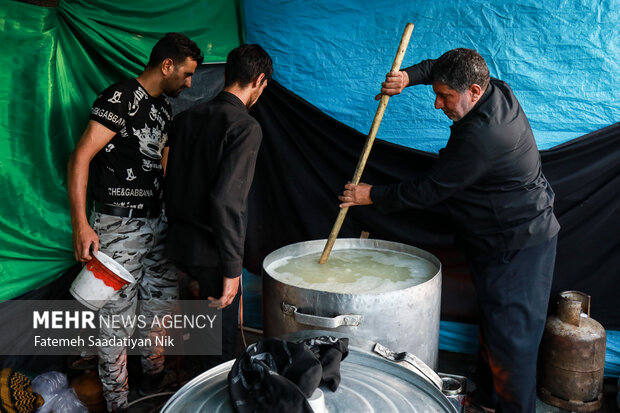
[(277, 376), (330, 351)]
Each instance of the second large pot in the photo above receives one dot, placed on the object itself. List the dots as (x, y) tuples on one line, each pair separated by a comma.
[(402, 320)]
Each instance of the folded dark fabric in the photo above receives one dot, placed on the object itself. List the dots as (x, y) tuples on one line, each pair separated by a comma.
[(276, 376), (330, 351)]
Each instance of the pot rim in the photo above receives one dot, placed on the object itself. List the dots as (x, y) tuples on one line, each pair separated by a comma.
[(358, 243)]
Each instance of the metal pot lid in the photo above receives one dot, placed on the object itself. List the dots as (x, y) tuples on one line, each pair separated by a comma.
[(369, 384)]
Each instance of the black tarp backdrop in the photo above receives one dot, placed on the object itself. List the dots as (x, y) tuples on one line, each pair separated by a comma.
[(306, 158)]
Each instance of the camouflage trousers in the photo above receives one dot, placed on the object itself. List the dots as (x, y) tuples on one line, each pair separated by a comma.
[(138, 245)]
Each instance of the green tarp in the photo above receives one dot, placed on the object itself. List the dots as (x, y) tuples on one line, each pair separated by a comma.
[(54, 63)]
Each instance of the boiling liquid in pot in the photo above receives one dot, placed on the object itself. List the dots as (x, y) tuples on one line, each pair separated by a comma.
[(354, 271)]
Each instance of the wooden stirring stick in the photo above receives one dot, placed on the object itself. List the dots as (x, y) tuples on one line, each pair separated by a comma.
[(404, 41)]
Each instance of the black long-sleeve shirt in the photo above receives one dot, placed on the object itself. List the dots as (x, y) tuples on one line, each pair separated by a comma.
[(213, 150), (489, 175)]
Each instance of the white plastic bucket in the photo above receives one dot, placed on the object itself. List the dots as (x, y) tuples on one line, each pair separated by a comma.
[(99, 280)]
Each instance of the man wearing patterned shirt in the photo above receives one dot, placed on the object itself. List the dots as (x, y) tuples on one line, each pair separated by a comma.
[(124, 150)]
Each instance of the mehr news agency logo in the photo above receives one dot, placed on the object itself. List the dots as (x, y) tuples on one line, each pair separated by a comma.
[(86, 320)]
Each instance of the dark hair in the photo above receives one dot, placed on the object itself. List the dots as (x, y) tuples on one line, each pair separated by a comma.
[(245, 63), (175, 46), (461, 68)]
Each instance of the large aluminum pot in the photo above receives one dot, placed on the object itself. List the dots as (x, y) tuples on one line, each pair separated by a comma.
[(402, 320)]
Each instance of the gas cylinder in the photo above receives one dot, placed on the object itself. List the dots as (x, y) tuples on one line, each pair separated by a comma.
[(572, 356)]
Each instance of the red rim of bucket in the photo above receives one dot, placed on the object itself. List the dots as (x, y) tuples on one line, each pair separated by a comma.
[(105, 274)]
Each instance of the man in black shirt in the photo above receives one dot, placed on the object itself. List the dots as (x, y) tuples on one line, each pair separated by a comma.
[(489, 177), (123, 150), (213, 149)]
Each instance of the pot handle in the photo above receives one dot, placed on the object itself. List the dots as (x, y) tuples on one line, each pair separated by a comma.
[(411, 362), (319, 321)]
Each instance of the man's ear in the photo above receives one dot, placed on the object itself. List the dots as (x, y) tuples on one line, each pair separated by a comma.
[(476, 92), (167, 66), (258, 80)]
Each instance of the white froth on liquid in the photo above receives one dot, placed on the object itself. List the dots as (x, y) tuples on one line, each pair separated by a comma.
[(354, 271)]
